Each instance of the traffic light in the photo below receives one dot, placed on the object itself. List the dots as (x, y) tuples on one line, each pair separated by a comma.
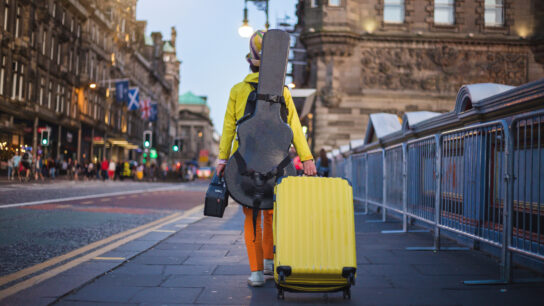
[(45, 138), (148, 139), (176, 146)]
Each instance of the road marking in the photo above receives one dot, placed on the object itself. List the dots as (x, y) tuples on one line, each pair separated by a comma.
[(109, 258), (55, 271), (93, 196), (53, 261), (164, 231), (122, 197), (104, 200), (87, 202)]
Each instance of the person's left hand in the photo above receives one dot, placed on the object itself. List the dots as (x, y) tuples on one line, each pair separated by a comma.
[(309, 168)]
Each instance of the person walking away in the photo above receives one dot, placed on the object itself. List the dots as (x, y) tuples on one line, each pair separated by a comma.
[(323, 163), (38, 167), (259, 245)]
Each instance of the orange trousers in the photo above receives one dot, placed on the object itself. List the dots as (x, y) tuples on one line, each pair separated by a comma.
[(262, 246)]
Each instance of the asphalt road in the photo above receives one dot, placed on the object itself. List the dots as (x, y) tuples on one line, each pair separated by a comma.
[(47, 225)]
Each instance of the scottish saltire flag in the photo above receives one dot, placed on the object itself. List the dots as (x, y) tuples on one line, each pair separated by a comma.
[(146, 109), (134, 98), (154, 112), (121, 91)]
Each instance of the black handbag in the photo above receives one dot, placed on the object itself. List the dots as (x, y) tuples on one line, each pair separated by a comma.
[(217, 198)]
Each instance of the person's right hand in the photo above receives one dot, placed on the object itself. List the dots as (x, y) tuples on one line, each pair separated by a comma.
[(220, 169)]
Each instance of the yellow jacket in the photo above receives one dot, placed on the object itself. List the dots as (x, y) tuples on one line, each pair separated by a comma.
[(235, 110)]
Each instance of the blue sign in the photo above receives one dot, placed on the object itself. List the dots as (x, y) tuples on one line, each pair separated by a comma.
[(121, 91), (154, 112)]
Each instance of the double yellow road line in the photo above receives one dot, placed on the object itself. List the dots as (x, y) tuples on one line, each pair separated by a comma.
[(99, 247)]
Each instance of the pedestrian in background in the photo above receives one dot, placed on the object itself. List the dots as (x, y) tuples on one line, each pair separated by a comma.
[(323, 163), (104, 169), (111, 170), (52, 168), (12, 166), (38, 167)]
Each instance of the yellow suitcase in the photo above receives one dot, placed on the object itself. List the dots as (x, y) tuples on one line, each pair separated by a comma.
[(314, 235)]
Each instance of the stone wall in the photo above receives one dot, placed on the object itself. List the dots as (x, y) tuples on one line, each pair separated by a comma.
[(361, 65)]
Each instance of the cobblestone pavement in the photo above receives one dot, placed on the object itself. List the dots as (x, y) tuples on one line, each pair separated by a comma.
[(206, 263)]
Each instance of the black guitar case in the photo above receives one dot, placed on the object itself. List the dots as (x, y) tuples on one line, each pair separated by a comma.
[(264, 139)]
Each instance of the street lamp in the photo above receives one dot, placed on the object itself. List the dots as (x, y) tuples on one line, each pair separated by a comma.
[(246, 30)]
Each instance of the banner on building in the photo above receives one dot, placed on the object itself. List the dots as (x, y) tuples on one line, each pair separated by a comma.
[(146, 109), (121, 91), (133, 98), (154, 111)]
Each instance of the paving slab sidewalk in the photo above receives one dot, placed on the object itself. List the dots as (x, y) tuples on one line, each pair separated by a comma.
[(206, 263)]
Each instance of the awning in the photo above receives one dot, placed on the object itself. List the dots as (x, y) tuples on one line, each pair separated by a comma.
[(304, 100), (120, 142)]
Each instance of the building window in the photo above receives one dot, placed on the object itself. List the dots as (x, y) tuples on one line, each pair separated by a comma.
[(6, 15), (393, 11), (44, 41), (15, 70), (70, 59), (21, 74), (334, 2), (494, 13), (57, 99), (72, 24), (29, 91), (52, 54), (63, 18), (42, 89), (54, 10), (18, 22), (2, 73), (444, 11), (59, 52), (77, 64), (62, 99), (49, 94)]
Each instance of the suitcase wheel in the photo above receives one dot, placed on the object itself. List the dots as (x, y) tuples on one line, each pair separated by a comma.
[(281, 294), (347, 293)]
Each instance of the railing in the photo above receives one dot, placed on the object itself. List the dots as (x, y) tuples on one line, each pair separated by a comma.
[(487, 179)]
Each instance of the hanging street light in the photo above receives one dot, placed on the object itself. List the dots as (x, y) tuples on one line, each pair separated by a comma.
[(246, 30)]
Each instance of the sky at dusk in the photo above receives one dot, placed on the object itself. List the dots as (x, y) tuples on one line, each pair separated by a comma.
[(208, 44)]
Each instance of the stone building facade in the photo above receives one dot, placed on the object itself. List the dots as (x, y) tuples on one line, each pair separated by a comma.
[(195, 130), (51, 51), (394, 56)]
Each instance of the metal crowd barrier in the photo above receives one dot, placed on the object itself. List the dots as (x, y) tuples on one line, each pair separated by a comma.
[(484, 181)]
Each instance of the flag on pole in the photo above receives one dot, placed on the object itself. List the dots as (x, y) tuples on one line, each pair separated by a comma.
[(134, 98), (146, 109), (154, 112), (121, 91)]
